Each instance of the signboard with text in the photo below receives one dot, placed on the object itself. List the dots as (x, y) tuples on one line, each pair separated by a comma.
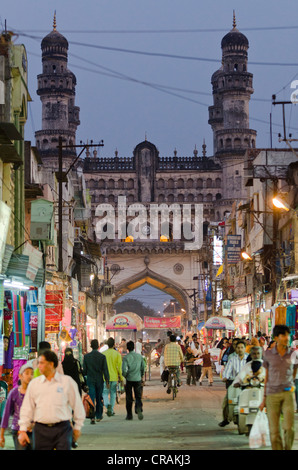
[(165, 322), (233, 248)]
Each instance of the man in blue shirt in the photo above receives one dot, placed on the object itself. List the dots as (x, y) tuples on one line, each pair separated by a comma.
[(133, 369), (96, 369)]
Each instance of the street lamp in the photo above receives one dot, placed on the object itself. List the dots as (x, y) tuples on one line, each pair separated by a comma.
[(280, 204), (246, 256)]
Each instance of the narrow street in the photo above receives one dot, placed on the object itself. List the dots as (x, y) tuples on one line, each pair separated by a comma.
[(190, 422)]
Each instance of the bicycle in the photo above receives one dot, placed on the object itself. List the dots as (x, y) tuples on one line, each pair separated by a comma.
[(172, 382), (119, 391)]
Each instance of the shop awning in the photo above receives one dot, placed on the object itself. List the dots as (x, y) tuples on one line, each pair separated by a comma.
[(219, 323)]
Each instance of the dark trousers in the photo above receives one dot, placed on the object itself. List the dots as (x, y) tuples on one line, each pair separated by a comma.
[(138, 389), (191, 374), (57, 437), (95, 392)]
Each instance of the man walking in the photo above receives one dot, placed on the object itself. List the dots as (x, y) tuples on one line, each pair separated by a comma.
[(279, 394), (232, 369), (52, 401), (133, 369), (114, 362), (96, 369)]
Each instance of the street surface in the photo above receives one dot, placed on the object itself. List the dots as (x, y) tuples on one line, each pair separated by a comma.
[(190, 422)]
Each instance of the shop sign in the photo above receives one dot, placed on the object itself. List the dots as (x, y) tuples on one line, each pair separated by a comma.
[(75, 290), (82, 301), (233, 248), (55, 313), (226, 307), (165, 322)]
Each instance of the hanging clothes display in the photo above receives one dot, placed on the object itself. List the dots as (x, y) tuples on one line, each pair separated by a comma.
[(280, 315)]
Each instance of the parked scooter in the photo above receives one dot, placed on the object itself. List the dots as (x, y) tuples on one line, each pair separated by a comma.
[(250, 398)]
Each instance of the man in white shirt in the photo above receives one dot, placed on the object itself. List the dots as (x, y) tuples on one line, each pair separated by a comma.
[(251, 369), (232, 369), (48, 404), (139, 346)]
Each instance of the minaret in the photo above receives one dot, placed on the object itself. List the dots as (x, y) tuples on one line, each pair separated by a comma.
[(229, 115), (56, 88), (232, 88)]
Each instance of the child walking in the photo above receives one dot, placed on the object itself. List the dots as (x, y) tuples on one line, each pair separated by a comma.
[(13, 405), (207, 367)]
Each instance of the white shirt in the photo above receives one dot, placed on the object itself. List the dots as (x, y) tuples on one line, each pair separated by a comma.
[(139, 347), (234, 365), (246, 371), (52, 401)]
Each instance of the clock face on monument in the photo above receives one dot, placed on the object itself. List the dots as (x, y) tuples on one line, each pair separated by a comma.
[(146, 230)]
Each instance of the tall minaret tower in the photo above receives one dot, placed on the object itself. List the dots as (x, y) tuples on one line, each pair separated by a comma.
[(56, 88), (229, 115)]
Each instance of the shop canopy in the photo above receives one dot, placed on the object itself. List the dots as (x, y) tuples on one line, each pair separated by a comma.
[(125, 321), (219, 323)]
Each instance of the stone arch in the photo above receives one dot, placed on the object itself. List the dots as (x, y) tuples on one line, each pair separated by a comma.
[(155, 280)]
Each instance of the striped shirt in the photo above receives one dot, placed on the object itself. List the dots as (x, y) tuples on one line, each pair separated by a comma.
[(234, 365)]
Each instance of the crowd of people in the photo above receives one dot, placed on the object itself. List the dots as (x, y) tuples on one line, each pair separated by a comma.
[(47, 408)]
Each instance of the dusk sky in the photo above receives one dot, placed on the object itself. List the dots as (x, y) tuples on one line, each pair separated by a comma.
[(140, 71)]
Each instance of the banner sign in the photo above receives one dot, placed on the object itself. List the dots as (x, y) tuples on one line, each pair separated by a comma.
[(54, 314), (165, 322), (121, 322), (233, 248)]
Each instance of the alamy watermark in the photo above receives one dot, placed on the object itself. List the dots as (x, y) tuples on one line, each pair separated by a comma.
[(173, 222), (294, 94)]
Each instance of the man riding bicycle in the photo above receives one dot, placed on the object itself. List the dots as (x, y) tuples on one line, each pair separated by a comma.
[(173, 357)]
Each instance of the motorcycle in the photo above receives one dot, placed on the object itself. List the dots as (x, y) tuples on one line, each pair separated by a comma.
[(250, 398), (156, 358)]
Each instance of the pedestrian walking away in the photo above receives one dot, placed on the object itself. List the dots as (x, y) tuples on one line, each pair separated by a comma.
[(12, 408), (52, 401), (114, 362), (133, 369), (279, 395), (95, 368), (173, 357), (72, 367)]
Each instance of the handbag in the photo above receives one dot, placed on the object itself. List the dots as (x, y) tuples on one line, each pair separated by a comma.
[(259, 435), (88, 406)]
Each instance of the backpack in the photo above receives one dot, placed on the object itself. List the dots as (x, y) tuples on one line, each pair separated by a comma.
[(89, 406), (165, 375)]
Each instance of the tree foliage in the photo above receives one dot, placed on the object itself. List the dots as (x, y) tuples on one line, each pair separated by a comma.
[(135, 306)]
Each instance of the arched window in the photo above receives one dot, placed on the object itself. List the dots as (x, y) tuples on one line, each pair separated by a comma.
[(171, 198), (170, 183), (199, 183), (200, 197), (237, 143), (161, 198), (189, 183), (101, 184), (209, 183), (209, 197), (218, 196), (111, 184), (180, 197), (180, 183), (130, 183), (218, 183), (120, 184), (161, 183)]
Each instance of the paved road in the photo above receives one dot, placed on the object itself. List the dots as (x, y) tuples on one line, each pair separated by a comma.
[(190, 422)]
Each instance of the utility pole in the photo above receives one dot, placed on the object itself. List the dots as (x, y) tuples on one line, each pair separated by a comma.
[(62, 178)]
